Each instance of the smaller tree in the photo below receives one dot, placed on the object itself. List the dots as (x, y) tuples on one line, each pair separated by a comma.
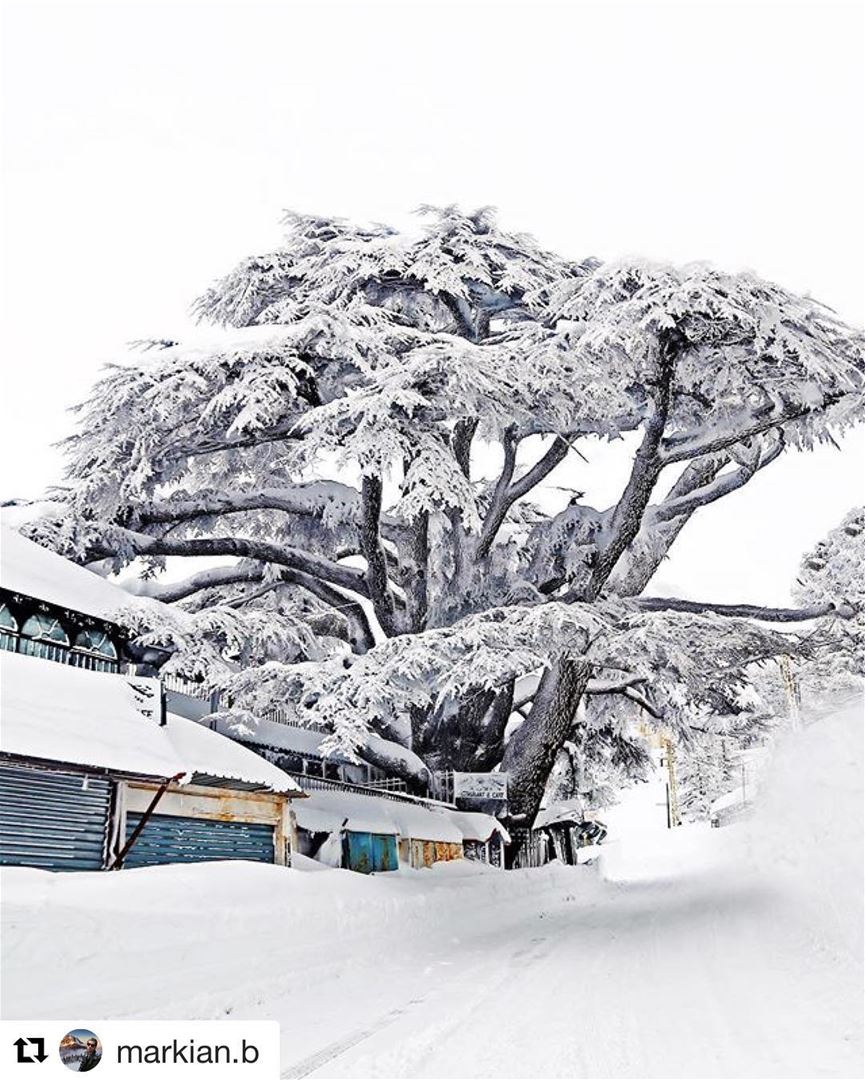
[(833, 570)]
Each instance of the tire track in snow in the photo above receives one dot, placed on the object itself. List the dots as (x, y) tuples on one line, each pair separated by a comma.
[(523, 957), (308, 1065)]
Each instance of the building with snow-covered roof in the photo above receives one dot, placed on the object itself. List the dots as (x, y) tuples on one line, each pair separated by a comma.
[(299, 749), (369, 832), (54, 609), (94, 773)]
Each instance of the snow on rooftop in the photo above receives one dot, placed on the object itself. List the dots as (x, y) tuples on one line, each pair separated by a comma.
[(269, 733), (562, 812), (328, 811), (476, 826), (252, 729), (205, 751), (58, 713), (27, 568)]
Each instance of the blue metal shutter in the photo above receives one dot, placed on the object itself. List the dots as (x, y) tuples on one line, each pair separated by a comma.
[(53, 820), (369, 853), (168, 839)]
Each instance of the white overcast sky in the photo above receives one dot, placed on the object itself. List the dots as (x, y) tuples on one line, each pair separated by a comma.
[(148, 146)]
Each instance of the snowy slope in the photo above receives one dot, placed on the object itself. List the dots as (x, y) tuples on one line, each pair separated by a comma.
[(705, 953)]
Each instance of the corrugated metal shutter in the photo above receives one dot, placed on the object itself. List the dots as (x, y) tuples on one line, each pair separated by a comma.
[(168, 839), (52, 820)]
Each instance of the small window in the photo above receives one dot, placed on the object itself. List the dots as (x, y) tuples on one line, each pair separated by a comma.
[(8, 629), (43, 636), (95, 650)]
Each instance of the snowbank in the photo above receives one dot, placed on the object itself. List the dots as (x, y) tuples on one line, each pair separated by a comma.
[(807, 831), (136, 943)]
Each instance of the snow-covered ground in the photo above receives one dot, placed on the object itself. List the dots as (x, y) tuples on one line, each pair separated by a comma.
[(734, 952)]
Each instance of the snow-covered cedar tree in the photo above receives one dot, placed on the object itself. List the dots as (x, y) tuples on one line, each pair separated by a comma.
[(834, 571), (370, 425)]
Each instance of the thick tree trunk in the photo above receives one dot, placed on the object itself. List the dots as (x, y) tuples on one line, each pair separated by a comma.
[(532, 750), (530, 755), (469, 739), (376, 563)]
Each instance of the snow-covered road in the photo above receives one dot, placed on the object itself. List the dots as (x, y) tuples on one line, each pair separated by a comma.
[(705, 953), (644, 981)]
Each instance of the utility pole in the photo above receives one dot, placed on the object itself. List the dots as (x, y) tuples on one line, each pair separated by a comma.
[(673, 818), (791, 687)]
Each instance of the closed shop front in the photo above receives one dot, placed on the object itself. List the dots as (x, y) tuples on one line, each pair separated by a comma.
[(53, 820), (169, 839), (370, 853)]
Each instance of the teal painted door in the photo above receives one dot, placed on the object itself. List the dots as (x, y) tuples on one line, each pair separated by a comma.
[(369, 853), (384, 855)]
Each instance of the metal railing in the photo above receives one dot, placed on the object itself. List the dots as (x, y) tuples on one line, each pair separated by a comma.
[(278, 715), (180, 685), (391, 784), (317, 783)]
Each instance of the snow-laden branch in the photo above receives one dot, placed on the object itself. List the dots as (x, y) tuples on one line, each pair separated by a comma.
[(613, 686), (744, 611), (197, 444), (685, 447), (170, 591), (136, 544), (314, 498), (643, 702), (716, 489)]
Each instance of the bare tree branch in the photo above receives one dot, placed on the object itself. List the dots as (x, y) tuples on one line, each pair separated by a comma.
[(506, 493), (498, 505), (719, 487), (683, 448), (744, 611), (362, 637)]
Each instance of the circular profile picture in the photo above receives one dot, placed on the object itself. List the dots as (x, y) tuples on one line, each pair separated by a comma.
[(80, 1050)]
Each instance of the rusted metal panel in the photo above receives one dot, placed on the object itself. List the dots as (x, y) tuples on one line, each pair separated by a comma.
[(209, 802), (425, 853)]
